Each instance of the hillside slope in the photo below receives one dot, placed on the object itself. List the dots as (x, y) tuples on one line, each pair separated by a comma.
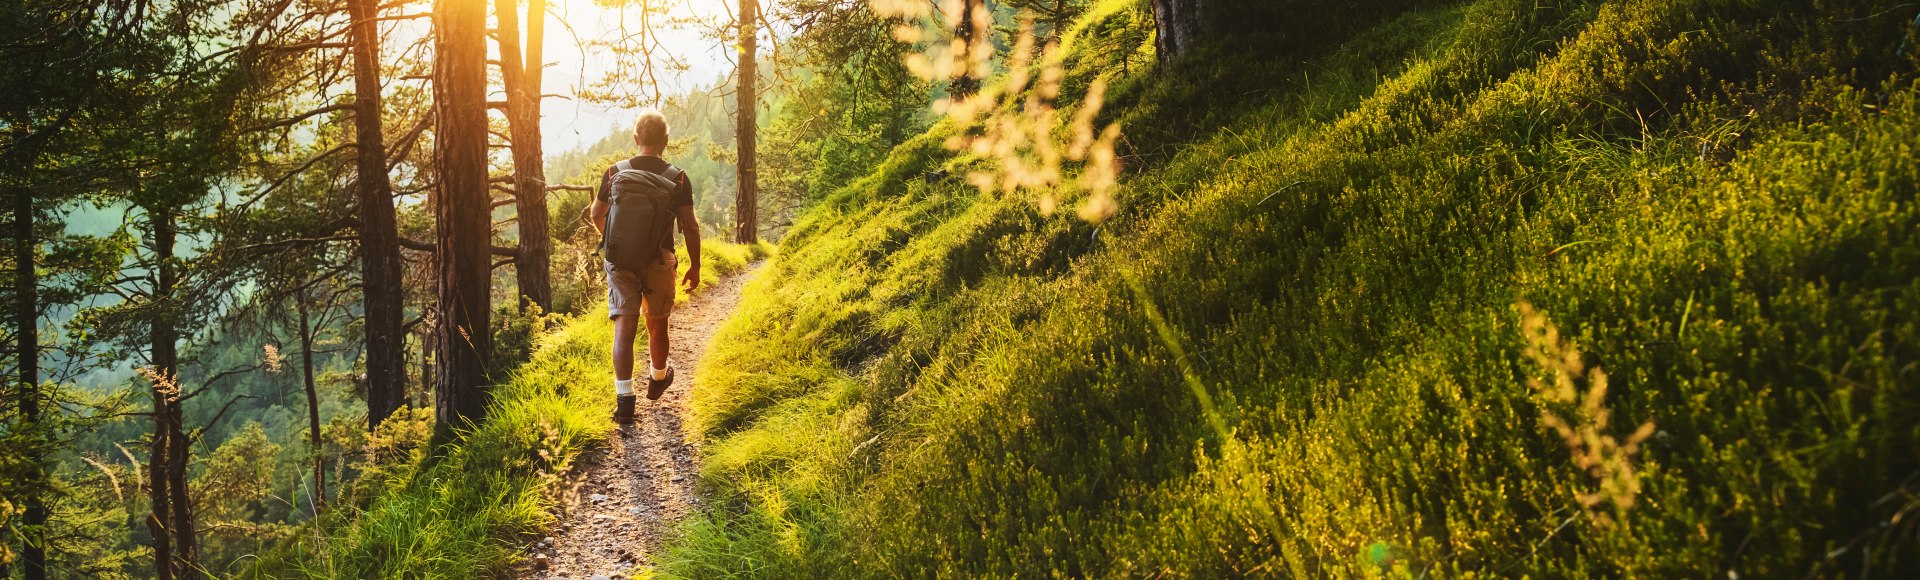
[(1298, 349)]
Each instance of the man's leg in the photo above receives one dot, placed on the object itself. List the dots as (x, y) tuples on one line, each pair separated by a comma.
[(656, 346), (658, 306), (623, 306), (624, 328)]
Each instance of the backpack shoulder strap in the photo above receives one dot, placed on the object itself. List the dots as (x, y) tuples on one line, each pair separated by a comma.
[(673, 174), (624, 165)]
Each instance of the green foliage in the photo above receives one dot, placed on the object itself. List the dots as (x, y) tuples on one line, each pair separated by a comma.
[(234, 489), (849, 101), (514, 330), (454, 512), (1296, 350)]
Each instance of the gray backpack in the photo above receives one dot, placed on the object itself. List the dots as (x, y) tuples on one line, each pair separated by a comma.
[(641, 219)]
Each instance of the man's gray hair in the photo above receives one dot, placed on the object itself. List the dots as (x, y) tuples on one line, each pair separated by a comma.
[(651, 129)]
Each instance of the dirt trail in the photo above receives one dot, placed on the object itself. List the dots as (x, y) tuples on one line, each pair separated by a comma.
[(628, 496)]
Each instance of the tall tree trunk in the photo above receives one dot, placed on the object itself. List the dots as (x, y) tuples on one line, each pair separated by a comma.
[(27, 288), (536, 54), (171, 506), (313, 407), (746, 211), (463, 229), (381, 288), (426, 361), (532, 267), (1178, 25), (1236, 29), (964, 84), (158, 500)]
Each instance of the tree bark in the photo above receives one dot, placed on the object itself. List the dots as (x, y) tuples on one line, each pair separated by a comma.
[(746, 211), (964, 84), (1239, 28), (157, 497), (381, 288), (33, 552), (1177, 24), (463, 229), (172, 507), (532, 266), (426, 362), (313, 407)]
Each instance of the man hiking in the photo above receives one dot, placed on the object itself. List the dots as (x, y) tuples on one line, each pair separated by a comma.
[(638, 202)]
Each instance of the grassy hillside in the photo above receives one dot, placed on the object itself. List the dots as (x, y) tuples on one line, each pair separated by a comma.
[(462, 511), (1299, 350)]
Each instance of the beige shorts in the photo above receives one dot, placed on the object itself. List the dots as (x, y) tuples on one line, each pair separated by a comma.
[(624, 297)]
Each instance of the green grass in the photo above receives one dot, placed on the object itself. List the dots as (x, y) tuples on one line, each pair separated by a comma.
[(463, 511), (1296, 350)]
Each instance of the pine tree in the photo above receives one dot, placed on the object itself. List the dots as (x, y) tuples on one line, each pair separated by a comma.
[(379, 238), (464, 228), (746, 206), (533, 261)]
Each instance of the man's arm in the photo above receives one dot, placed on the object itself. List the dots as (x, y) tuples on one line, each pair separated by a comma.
[(598, 216), (598, 211), (690, 229)]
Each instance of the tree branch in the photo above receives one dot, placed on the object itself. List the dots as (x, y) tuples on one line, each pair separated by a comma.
[(404, 146), (306, 46), (216, 416), (417, 245), (283, 179), (300, 117), (300, 241)]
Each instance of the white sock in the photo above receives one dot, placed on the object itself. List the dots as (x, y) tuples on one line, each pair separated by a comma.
[(623, 388), (660, 374)]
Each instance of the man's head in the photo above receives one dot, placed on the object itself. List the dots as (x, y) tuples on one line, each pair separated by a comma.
[(650, 132)]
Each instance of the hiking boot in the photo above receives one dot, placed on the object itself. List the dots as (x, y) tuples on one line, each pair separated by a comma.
[(657, 386), (623, 409)]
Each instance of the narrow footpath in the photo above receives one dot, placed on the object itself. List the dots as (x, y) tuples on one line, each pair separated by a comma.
[(628, 496)]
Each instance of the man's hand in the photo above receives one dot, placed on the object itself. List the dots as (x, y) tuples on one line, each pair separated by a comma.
[(692, 279), (690, 230)]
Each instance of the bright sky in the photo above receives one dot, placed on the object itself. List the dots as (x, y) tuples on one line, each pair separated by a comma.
[(570, 123)]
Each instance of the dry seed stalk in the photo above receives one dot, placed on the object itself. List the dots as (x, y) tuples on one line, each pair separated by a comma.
[(1607, 459)]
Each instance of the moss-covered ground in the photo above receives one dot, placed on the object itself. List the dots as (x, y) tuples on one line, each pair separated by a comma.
[(1297, 349)]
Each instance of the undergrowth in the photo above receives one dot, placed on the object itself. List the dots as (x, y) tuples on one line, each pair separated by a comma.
[(1298, 348), (463, 510)]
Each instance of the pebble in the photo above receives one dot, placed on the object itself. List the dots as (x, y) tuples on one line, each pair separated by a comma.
[(597, 498)]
